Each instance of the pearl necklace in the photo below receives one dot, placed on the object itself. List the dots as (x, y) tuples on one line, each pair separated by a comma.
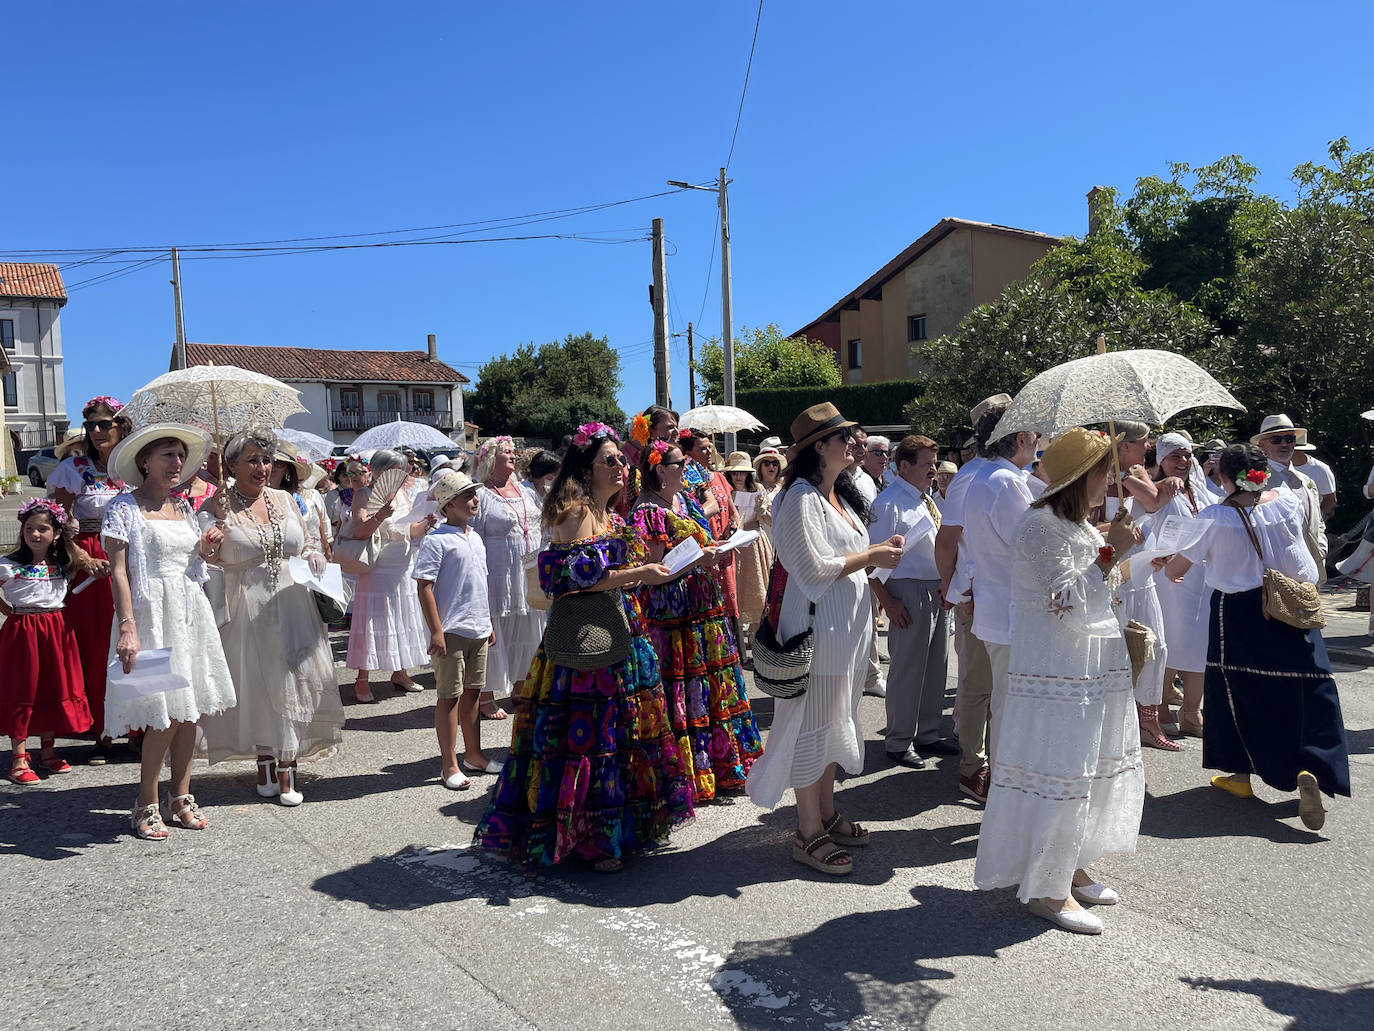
[(270, 537)]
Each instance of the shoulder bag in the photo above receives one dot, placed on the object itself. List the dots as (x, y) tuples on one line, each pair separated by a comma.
[(1289, 601), (782, 669), (588, 630)]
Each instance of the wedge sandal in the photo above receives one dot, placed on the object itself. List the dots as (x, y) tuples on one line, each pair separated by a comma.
[(835, 864)]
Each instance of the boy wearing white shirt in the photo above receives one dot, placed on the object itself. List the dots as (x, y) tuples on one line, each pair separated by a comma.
[(451, 576), (918, 634)]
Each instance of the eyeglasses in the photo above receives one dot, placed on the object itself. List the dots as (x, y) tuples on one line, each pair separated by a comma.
[(103, 425), (877, 451), (611, 461), (1287, 438), (680, 461)]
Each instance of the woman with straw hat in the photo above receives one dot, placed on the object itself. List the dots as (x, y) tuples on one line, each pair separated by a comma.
[(754, 505), (157, 557), (1067, 781), (769, 465)]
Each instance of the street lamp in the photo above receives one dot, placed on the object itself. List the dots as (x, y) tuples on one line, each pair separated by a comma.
[(727, 342)]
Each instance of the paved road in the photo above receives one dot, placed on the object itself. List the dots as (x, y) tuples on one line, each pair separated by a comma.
[(364, 909)]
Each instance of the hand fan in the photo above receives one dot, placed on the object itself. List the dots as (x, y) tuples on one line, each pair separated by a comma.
[(384, 487)]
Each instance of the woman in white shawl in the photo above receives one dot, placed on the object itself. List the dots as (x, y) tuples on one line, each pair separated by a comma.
[(1067, 783)]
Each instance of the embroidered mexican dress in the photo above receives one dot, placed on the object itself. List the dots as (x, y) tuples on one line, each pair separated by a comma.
[(40, 667), (697, 657), (594, 771), (1067, 782), (90, 613)]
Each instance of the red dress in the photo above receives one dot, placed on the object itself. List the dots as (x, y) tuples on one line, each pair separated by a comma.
[(41, 691)]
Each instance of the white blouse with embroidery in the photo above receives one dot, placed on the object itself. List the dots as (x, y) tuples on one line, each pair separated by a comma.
[(32, 587), (93, 488)]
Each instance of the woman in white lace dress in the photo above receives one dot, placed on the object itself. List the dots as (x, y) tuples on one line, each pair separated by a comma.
[(277, 649), (1067, 783), (157, 560), (388, 630), (509, 523), (820, 531)]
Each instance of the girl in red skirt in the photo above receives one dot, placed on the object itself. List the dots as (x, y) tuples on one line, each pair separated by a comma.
[(42, 691)]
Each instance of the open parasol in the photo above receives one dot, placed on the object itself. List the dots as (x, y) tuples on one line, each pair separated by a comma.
[(223, 399), (401, 434), (311, 445), (719, 419)]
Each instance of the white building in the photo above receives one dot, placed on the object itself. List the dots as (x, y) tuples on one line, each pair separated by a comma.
[(347, 392), (31, 298)]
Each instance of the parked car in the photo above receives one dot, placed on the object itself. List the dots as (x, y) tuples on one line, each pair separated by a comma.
[(41, 464)]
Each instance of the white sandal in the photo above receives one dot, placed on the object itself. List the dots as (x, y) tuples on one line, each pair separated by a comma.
[(268, 767)]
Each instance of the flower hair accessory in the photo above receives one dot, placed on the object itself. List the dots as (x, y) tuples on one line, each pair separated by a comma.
[(590, 431), (1253, 481), (58, 513), (639, 430), (112, 403), (657, 450)]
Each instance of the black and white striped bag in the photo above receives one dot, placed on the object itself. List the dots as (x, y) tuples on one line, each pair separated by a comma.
[(781, 668)]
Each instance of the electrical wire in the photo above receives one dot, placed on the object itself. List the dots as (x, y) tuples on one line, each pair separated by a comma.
[(740, 113)]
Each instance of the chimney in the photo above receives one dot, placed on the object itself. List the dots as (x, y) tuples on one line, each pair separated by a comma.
[(433, 348), (1098, 195)]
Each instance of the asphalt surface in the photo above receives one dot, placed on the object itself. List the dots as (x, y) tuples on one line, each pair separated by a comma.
[(364, 908)]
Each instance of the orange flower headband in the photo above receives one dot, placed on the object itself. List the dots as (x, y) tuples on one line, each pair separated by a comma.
[(658, 450), (639, 430)]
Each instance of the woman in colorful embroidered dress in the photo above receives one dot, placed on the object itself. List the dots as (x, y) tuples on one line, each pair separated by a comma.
[(654, 423), (694, 640), (713, 492), (1272, 705), (508, 522), (83, 486), (594, 771)]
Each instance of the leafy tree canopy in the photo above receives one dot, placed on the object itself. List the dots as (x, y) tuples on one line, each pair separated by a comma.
[(766, 358), (547, 391)]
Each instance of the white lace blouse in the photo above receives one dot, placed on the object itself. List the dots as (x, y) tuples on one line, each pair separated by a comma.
[(1059, 596), (1228, 558), (124, 523)]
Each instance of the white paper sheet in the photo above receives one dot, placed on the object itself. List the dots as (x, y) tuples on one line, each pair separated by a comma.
[(424, 508), (152, 674), (1178, 533), (746, 503), (741, 539), (328, 583), (909, 541), (683, 555)]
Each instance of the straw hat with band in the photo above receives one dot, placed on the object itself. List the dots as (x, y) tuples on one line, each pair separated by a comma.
[(123, 462), (448, 485), (439, 462), (770, 454), (72, 440), (816, 422), (946, 467), (738, 463), (302, 464), (986, 405), (1279, 424), (1071, 456)]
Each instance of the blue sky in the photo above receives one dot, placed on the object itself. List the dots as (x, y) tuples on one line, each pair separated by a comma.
[(864, 124)]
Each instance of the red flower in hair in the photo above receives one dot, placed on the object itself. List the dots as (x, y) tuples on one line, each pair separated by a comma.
[(1257, 476)]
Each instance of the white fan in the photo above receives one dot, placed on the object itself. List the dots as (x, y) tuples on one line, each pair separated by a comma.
[(385, 486)]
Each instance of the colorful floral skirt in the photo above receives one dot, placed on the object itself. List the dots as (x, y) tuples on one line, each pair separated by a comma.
[(594, 770), (698, 659)]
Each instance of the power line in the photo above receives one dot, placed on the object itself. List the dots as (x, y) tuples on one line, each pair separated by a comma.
[(740, 113)]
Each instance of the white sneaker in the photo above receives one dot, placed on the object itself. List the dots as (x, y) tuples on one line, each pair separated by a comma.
[(878, 689), (1079, 921), (1095, 895)]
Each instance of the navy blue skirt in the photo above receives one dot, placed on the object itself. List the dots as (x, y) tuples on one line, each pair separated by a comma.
[(1271, 702)]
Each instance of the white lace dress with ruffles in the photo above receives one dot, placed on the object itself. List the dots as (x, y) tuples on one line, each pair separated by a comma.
[(1068, 783)]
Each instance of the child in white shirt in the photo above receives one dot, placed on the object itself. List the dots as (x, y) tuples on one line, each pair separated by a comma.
[(451, 576)]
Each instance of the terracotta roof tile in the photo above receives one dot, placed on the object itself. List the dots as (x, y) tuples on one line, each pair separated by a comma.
[(31, 281), (309, 363)]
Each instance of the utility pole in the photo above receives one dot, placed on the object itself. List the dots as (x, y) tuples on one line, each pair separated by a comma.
[(727, 341), (662, 392), (179, 353), (691, 371)]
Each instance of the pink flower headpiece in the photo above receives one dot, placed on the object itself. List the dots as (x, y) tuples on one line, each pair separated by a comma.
[(658, 449), (490, 444), (112, 403), (58, 513), (590, 431)]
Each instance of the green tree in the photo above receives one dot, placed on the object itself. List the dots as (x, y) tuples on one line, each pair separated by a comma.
[(766, 358), (547, 391)]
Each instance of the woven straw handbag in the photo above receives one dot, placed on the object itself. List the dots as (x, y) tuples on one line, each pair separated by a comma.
[(1289, 601), (781, 668), (587, 631)]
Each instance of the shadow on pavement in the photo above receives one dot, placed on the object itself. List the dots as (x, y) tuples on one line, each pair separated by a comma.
[(1205, 812), (1312, 1009), (847, 968)]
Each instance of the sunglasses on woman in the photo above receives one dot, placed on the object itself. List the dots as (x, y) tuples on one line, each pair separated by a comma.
[(103, 425), (611, 461)]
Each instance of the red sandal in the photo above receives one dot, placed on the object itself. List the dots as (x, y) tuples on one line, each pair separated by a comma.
[(53, 763), (20, 770)]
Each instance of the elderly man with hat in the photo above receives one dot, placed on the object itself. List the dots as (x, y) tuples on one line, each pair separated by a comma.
[(1278, 438), (955, 564)]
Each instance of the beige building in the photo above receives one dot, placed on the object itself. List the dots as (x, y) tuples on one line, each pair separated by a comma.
[(877, 328)]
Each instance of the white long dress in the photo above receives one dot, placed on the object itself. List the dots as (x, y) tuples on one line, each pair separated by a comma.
[(170, 610), (510, 530), (822, 726), (1185, 606), (388, 631), (1068, 783), (276, 647), (1140, 601)]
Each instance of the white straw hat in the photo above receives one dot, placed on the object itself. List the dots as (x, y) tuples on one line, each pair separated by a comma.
[(123, 459)]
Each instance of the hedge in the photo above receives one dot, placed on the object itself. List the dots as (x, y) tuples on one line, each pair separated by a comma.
[(871, 404)]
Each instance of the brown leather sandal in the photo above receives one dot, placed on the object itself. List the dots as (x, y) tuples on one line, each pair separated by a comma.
[(836, 863), (858, 838)]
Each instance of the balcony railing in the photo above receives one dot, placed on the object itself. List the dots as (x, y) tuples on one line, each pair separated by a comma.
[(358, 419)]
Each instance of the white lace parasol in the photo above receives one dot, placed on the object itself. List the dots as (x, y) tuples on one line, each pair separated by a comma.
[(243, 400), (400, 434)]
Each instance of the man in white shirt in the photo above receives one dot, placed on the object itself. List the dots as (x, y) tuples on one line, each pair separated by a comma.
[(955, 563), (1278, 438), (918, 624), (876, 683), (1319, 473), (995, 503)]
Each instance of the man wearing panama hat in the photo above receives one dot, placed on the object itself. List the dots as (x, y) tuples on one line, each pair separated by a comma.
[(1278, 438)]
